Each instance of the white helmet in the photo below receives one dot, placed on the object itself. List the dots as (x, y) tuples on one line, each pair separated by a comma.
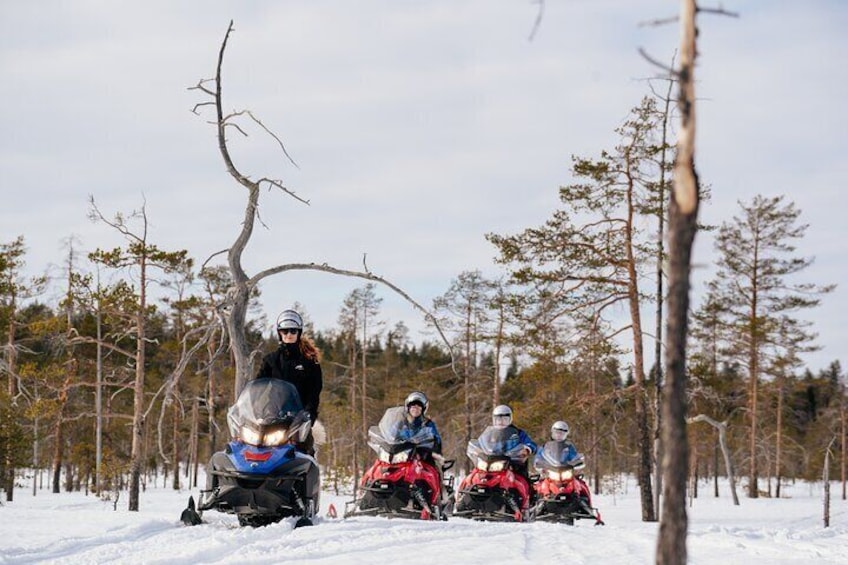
[(289, 320), (502, 416), (559, 431), (416, 398)]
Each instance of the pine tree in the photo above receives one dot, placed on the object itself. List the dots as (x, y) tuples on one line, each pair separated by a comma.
[(592, 253), (14, 290), (143, 256), (757, 261)]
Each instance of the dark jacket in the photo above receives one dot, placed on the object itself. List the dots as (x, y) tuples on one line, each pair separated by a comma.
[(288, 364)]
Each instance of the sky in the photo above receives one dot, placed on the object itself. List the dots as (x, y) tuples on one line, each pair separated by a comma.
[(417, 128), (85, 529)]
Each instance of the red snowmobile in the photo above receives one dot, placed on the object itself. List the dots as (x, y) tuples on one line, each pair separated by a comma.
[(495, 489), (562, 495), (404, 481)]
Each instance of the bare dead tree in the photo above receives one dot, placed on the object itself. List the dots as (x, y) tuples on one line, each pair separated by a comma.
[(683, 213), (683, 225), (234, 308), (721, 428), (826, 480), (665, 99), (171, 384)]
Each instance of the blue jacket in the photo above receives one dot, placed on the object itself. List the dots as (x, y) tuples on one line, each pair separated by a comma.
[(569, 452), (416, 424), (525, 439)]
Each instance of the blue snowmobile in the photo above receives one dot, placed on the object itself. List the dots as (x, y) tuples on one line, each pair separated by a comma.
[(260, 476)]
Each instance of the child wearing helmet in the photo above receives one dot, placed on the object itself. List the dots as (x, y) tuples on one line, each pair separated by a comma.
[(502, 418), (415, 408), (296, 361), (559, 433)]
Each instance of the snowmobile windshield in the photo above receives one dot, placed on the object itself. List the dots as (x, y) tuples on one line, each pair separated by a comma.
[(503, 441), (395, 430), (264, 402), (557, 454)]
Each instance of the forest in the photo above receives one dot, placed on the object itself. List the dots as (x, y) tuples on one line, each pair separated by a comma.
[(559, 335)]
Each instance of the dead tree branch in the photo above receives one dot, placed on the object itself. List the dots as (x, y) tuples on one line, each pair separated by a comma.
[(722, 440), (234, 308)]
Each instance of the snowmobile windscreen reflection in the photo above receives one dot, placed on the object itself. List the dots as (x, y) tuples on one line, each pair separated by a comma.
[(496, 441), (557, 454), (267, 413), (394, 437)]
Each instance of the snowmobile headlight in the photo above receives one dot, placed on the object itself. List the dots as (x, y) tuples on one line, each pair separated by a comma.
[(482, 465), (249, 435), (385, 456), (497, 466), (275, 437), (554, 475), (401, 457), (567, 475)]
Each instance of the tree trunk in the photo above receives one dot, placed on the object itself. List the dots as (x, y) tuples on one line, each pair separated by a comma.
[(715, 464), (138, 399), (59, 444), (364, 364), (754, 376), (779, 436), (595, 408), (195, 442), (496, 384), (35, 463), (645, 464), (671, 545), (11, 362), (467, 383), (355, 451), (98, 401), (175, 458), (842, 435), (658, 377), (683, 213), (211, 403), (826, 481)]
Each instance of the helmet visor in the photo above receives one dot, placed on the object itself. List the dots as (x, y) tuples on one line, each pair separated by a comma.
[(501, 419), (558, 434)]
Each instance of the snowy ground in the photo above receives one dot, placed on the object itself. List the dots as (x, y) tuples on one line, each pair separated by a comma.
[(74, 528)]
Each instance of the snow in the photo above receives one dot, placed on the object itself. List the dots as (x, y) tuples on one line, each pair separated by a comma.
[(75, 528)]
